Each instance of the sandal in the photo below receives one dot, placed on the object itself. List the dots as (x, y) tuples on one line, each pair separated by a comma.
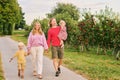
[(22, 75), (39, 76), (18, 73)]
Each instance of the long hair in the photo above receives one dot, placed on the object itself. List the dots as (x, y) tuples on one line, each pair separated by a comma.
[(61, 22), (34, 29)]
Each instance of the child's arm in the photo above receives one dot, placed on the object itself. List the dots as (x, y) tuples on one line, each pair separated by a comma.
[(26, 53), (11, 59)]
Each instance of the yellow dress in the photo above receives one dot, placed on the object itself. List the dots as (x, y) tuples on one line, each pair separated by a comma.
[(20, 54)]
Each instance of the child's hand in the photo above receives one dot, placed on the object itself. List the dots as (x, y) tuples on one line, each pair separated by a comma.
[(28, 53), (10, 59)]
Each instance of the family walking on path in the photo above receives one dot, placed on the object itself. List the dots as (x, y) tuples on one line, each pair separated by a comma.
[(36, 66)]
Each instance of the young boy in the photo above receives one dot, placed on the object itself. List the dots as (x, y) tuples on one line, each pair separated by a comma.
[(20, 54), (63, 33)]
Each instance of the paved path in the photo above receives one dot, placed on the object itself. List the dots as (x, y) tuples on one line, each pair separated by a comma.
[(8, 47)]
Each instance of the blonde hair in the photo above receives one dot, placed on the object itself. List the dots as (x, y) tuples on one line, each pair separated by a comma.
[(39, 30), (21, 44), (62, 21)]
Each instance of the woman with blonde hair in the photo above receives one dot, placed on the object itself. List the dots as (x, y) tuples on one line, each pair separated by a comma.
[(36, 45)]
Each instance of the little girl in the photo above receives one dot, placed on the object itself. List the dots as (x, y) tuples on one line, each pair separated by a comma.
[(20, 54), (63, 33)]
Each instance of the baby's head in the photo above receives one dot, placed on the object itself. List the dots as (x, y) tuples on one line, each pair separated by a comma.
[(21, 45), (62, 23)]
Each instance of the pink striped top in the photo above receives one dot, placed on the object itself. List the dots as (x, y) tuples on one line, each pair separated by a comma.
[(36, 40), (62, 33)]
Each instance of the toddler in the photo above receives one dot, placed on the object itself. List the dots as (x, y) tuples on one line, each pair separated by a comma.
[(63, 33), (20, 55)]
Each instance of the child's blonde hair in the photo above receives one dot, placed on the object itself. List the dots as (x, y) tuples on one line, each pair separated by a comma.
[(21, 44), (62, 21)]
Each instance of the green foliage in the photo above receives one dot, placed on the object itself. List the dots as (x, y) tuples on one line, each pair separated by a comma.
[(22, 22), (44, 23), (20, 35), (69, 9), (104, 34), (10, 14)]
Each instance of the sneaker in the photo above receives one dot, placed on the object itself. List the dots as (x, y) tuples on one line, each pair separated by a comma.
[(59, 70), (57, 74)]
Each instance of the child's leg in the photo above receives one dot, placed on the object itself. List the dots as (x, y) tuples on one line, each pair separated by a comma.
[(22, 70), (19, 70), (22, 73)]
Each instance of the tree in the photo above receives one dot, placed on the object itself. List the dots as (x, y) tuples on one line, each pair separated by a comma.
[(10, 15), (44, 23), (104, 34), (22, 22)]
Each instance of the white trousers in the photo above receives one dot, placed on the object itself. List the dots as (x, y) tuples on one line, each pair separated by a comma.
[(37, 58)]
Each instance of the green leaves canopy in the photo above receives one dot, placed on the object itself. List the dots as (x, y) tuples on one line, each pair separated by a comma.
[(10, 14)]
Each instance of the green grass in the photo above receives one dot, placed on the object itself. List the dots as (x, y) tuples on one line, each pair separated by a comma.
[(93, 66), (87, 64), (19, 35), (1, 70)]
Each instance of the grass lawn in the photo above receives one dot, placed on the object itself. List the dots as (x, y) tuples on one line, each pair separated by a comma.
[(1, 71), (19, 35), (92, 66), (87, 64)]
